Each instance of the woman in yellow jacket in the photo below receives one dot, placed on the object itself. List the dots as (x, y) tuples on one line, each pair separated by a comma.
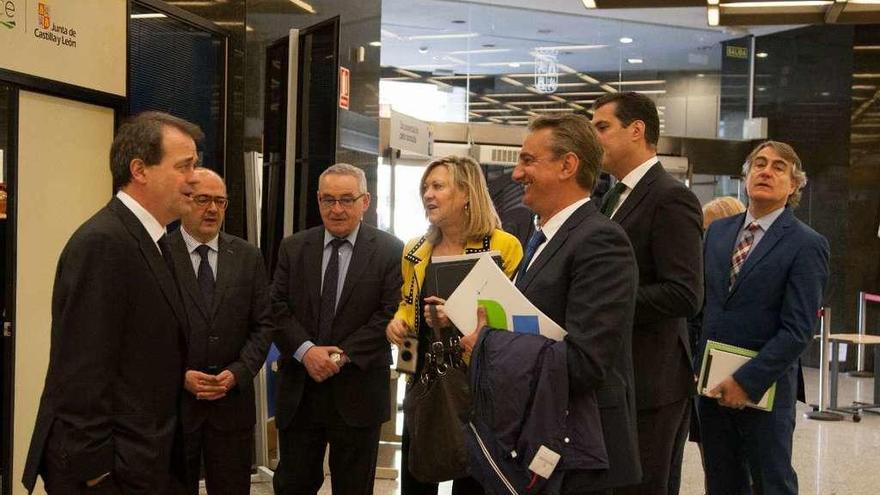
[(463, 221)]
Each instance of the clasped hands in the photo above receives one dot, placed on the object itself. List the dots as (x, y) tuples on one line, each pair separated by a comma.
[(322, 362), (208, 387)]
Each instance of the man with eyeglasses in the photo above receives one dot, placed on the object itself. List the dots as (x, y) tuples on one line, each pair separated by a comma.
[(226, 295), (335, 289)]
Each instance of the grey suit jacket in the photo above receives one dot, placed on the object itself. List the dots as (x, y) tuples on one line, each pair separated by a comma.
[(234, 333), (366, 304), (585, 280)]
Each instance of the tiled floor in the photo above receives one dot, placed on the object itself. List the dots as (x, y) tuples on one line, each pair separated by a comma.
[(831, 458)]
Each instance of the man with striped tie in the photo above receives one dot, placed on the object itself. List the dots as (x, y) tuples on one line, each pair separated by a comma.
[(766, 272)]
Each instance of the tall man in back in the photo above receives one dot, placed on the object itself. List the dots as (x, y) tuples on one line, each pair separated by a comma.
[(108, 417), (766, 273), (226, 295), (335, 289), (663, 220), (580, 271)]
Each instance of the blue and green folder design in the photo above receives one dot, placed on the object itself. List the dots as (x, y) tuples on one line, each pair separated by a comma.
[(721, 360)]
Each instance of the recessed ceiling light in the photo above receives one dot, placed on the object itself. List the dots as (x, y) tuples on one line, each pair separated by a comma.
[(459, 21), (761, 54), (375, 43), (514, 64), (423, 49), (634, 60), (625, 40), (762, 88), (488, 45), (444, 36), (701, 75)]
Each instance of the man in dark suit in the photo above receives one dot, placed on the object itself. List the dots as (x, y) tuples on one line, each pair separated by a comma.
[(579, 269), (226, 295), (766, 273), (335, 289), (663, 221), (108, 417)]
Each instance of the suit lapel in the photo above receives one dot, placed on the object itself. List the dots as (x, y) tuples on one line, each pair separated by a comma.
[(638, 193), (153, 257), (555, 243), (225, 271), (185, 273), (313, 255), (768, 242), (364, 245)]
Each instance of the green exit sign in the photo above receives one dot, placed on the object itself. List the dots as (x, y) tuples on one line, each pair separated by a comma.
[(737, 51)]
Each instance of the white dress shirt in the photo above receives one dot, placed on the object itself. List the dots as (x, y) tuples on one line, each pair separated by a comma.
[(155, 229), (633, 178)]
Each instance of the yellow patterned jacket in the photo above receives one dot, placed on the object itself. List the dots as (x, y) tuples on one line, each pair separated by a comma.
[(417, 256)]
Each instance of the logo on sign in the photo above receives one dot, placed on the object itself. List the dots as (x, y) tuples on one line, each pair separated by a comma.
[(344, 87), (7, 14), (43, 13), (546, 70)]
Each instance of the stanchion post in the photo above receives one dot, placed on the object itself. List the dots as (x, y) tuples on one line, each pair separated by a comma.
[(861, 371), (822, 414)]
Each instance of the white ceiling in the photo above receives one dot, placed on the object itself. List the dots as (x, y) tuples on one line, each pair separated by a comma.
[(668, 39)]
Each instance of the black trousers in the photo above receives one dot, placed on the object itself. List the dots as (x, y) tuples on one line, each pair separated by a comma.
[(227, 456), (353, 452), (662, 436)]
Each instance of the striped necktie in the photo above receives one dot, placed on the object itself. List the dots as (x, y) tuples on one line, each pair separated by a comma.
[(741, 253)]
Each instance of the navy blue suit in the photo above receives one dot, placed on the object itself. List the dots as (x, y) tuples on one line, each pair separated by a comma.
[(770, 309)]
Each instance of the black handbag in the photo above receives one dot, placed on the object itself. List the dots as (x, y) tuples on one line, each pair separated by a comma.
[(436, 408)]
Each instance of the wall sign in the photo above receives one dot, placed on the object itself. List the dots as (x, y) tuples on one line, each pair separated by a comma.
[(344, 87), (546, 70), (737, 51), (410, 135), (80, 43)]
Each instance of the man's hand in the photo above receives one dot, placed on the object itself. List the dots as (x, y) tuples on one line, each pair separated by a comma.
[(396, 331), (469, 341), (730, 394), (435, 306), (203, 385), (318, 363)]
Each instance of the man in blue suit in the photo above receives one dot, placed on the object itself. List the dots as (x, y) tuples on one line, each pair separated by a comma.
[(765, 275)]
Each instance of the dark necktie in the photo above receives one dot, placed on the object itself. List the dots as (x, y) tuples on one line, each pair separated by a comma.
[(328, 293), (535, 241), (165, 247), (205, 275), (612, 199)]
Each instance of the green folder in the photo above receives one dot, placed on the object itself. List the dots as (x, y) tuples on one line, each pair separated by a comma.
[(721, 360)]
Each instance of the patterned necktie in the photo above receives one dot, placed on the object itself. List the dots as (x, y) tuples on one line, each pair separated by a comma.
[(612, 199), (535, 241), (328, 293), (742, 251), (205, 275)]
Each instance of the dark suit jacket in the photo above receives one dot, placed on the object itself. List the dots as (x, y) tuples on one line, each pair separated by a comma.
[(664, 223), (234, 333), (366, 304), (772, 306), (585, 280), (113, 386)]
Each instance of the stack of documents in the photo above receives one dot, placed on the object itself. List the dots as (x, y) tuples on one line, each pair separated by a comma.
[(506, 307), (722, 360)]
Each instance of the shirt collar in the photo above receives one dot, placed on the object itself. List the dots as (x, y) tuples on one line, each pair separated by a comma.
[(350, 237), (192, 243), (552, 225), (766, 221), (636, 174), (155, 229)]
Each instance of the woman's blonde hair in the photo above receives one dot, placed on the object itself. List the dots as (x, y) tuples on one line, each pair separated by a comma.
[(467, 177), (723, 207)]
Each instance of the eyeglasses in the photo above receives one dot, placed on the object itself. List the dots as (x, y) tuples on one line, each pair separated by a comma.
[(205, 200), (346, 202)]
